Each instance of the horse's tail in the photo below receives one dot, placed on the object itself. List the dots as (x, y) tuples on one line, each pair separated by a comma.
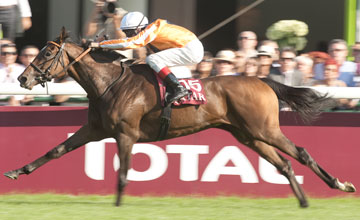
[(307, 102)]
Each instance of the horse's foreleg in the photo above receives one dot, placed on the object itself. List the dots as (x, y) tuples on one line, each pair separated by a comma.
[(284, 167), (81, 137), (306, 159), (124, 144)]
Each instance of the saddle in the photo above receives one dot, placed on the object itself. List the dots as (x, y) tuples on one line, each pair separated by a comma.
[(197, 97)]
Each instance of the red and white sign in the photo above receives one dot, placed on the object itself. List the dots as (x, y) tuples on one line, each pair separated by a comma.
[(211, 162)]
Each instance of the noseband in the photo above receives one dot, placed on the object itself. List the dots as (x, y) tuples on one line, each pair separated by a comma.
[(46, 76)]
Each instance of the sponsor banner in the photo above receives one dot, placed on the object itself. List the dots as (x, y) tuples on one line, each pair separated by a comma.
[(210, 163)]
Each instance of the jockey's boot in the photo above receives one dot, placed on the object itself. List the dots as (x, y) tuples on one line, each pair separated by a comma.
[(179, 91)]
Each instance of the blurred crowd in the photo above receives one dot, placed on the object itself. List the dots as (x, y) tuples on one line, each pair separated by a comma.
[(252, 58), (264, 59)]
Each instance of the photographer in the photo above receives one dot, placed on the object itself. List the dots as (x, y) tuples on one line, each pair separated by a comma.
[(105, 18)]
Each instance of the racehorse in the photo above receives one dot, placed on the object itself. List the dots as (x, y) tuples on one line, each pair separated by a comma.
[(124, 103)]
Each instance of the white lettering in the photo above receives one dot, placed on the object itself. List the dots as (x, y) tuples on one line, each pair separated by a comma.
[(217, 166), (189, 163), (158, 163), (195, 84), (270, 174), (95, 158), (189, 159), (202, 97)]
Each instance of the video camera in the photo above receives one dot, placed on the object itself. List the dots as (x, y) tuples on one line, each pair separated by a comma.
[(109, 7)]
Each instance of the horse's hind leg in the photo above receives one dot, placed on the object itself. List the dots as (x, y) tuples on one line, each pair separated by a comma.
[(81, 137), (283, 165), (300, 154), (306, 159)]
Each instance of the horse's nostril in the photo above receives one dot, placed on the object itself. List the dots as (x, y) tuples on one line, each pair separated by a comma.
[(22, 79)]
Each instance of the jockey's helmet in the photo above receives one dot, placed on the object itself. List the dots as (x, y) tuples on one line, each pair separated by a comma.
[(134, 20)]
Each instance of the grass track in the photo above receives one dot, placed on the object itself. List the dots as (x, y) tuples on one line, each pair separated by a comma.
[(66, 207)]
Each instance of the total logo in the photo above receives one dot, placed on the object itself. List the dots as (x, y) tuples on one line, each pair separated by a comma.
[(189, 163)]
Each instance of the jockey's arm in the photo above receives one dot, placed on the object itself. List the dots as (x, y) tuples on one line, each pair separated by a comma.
[(143, 38)]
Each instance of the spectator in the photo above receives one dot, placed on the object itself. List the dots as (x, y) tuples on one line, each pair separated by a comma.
[(331, 74), (319, 56), (240, 60), (28, 54), (9, 71), (331, 78), (205, 67), (265, 55), (105, 18), (6, 41), (356, 53), (8, 17), (247, 41), (251, 66), (305, 65), (274, 53), (225, 63), (338, 51), (288, 74)]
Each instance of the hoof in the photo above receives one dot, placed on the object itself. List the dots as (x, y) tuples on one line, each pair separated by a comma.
[(304, 204), (346, 187), (349, 187), (12, 175)]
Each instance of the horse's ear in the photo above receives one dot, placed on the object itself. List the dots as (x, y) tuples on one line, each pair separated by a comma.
[(63, 35)]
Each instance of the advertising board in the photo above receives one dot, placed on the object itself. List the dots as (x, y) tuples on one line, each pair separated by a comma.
[(209, 163)]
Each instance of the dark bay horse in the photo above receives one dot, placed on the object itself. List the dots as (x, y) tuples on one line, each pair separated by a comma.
[(124, 104)]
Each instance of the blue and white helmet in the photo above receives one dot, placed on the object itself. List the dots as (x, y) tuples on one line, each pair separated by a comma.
[(133, 20)]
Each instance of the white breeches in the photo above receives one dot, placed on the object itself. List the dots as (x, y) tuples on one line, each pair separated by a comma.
[(191, 54)]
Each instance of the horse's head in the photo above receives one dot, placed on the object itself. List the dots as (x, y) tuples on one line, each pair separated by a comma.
[(46, 64)]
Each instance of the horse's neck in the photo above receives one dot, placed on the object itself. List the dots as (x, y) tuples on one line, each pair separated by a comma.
[(94, 77)]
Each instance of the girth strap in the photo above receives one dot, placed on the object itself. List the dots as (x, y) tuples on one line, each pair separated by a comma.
[(165, 121)]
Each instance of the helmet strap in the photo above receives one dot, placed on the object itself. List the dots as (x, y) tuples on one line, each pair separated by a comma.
[(140, 22)]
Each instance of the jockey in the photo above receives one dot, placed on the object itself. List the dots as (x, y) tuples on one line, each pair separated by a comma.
[(173, 46)]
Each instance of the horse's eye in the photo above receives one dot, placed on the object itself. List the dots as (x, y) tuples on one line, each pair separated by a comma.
[(47, 54)]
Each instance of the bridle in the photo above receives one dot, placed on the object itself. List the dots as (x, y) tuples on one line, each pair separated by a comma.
[(45, 76)]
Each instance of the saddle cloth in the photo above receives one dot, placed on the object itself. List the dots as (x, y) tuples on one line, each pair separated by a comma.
[(194, 85)]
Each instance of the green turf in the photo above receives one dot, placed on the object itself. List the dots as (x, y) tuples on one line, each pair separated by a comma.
[(66, 207)]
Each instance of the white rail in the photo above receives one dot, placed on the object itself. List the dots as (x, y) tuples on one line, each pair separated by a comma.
[(339, 92), (51, 89), (76, 89)]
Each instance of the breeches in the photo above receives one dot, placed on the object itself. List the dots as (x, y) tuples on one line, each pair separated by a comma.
[(191, 54)]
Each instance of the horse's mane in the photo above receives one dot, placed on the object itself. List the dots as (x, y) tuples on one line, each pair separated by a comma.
[(99, 55), (104, 56)]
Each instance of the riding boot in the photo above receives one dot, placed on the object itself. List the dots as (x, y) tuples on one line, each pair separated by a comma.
[(179, 91)]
